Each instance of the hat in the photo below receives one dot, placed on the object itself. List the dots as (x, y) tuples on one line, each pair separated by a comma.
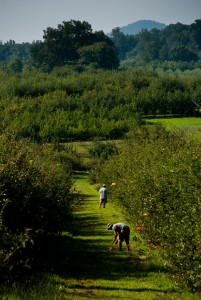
[(104, 185), (109, 226)]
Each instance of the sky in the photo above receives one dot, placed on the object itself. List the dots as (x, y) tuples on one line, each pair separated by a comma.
[(24, 20)]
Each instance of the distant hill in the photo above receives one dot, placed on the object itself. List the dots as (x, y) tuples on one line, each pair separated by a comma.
[(136, 27)]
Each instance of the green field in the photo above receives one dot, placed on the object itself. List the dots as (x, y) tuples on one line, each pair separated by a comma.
[(192, 124)]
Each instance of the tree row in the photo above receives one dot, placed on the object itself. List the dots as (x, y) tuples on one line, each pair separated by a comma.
[(82, 106)]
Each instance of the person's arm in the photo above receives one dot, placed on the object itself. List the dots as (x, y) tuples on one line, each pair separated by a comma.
[(115, 237)]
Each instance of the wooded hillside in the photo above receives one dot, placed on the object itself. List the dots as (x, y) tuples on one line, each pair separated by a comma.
[(74, 42)]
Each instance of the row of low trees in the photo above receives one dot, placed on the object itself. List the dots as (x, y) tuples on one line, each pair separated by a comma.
[(81, 106), (75, 42), (158, 182), (36, 200)]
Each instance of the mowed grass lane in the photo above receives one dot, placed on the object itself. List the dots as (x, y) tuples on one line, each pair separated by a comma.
[(190, 124), (94, 272)]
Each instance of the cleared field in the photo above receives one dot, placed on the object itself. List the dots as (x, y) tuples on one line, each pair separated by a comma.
[(192, 124)]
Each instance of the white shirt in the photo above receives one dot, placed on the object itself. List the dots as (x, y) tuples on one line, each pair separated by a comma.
[(103, 193)]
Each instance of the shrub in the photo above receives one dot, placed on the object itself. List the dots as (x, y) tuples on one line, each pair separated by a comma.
[(158, 182), (35, 194), (99, 153)]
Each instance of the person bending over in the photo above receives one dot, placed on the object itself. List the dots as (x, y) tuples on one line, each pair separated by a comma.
[(121, 233)]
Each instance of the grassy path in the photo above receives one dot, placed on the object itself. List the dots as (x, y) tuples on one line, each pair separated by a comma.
[(81, 267), (96, 273)]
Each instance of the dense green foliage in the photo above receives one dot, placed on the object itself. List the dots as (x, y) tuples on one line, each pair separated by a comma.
[(69, 105), (35, 198), (10, 51), (158, 184), (74, 42), (71, 42), (157, 175), (176, 42), (102, 150)]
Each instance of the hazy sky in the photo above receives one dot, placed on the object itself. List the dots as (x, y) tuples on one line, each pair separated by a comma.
[(25, 20)]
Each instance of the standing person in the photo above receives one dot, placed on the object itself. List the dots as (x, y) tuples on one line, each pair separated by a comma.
[(103, 196), (121, 233)]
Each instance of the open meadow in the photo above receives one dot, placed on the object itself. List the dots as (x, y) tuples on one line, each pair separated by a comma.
[(190, 124)]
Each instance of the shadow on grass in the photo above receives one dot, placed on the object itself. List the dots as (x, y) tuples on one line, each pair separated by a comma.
[(94, 287), (87, 259), (81, 174), (87, 256), (83, 254)]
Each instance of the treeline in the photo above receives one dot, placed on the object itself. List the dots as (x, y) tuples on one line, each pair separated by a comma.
[(74, 42), (71, 42), (158, 182), (69, 105), (176, 42)]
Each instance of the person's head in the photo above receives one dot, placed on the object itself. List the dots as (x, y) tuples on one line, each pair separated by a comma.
[(109, 226), (104, 185)]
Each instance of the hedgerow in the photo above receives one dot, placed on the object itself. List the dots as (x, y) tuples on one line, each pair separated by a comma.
[(158, 183), (35, 198)]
